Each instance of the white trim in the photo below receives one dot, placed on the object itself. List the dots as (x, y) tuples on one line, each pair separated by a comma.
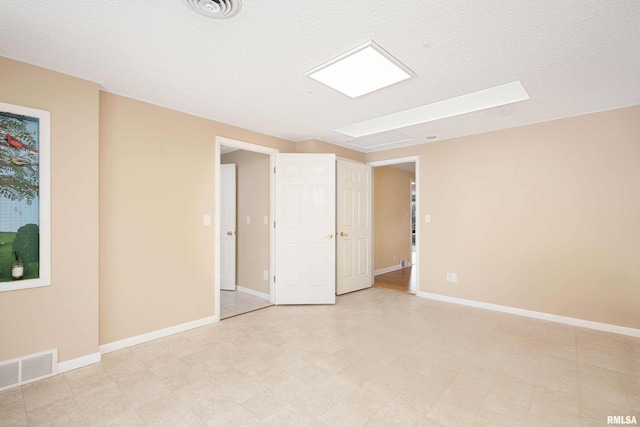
[(44, 197), (79, 362), (605, 327), (390, 162), (389, 269), (416, 160), (154, 335), (241, 145), (258, 294), (271, 152)]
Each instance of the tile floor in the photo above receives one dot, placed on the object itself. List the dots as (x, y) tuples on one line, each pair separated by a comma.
[(233, 303), (376, 358)]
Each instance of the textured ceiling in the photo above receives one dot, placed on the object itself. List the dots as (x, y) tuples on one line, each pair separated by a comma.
[(572, 57)]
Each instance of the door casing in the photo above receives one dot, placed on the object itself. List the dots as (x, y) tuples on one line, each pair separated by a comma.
[(271, 152), (416, 160)]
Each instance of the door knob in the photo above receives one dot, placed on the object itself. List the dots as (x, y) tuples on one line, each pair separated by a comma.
[(230, 233), (343, 234), (329, 236)]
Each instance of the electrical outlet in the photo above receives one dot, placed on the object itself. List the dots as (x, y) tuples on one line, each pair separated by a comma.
[(265, 275), (248, 219), (452, 277)]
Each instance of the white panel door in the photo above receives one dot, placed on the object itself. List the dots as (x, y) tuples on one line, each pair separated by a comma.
[(228, 227), (305, 225), (354, 231)]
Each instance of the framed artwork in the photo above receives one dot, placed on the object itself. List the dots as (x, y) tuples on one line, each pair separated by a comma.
[(25, 236)]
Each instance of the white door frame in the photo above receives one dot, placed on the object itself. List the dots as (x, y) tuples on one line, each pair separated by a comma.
[(271, 152), (416, 160)]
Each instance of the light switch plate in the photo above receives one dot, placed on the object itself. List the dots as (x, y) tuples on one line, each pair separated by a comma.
[(427, 218), (207, 220)]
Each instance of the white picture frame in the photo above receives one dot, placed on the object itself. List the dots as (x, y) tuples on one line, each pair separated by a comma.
[(19, 151)]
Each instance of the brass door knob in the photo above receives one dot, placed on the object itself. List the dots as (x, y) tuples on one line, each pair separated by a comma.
[(230, 233), (329, 236), (343, 234)]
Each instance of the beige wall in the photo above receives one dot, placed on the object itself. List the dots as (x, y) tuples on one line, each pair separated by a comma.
[(315, 146), (542, 217), (65, 314), (391, 216), (252, 196), (157, 182)]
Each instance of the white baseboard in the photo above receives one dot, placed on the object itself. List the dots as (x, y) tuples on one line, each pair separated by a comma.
[(606, 327), (254, 293), (154, 335), (389, 269), (79, 362)]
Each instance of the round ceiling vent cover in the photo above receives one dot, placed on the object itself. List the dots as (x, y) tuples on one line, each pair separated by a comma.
[(215, 8)]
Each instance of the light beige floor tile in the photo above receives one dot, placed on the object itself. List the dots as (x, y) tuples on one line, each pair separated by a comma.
[(394, 415), (598, 401), (344, 415), (228, 412), (562, 350), (61, 412), (142, 387), (45, 392), (12, 408), (374, 358), (553, 406), (366, 401), (121, 364), (291, 415), (494, 419), (558, 420), (166, 365), (313, 404), (233, 303), (199, 393), (429, 422), (558, 373), (450, 415), (263, 405), (333, 388), (130, 418), (14, 419), (168, 410), (506, 406), (11, 399), (99, 398)]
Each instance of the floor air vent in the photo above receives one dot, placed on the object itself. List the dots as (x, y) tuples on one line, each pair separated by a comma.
[(28, 368)]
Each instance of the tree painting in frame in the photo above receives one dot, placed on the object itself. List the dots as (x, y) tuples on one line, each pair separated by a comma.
[(24, 197)]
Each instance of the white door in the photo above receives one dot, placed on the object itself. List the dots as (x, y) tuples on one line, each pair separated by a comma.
[(354, 230), (228, 227), (305, 225)]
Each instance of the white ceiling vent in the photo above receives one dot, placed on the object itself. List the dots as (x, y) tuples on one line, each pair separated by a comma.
[(219, 9)]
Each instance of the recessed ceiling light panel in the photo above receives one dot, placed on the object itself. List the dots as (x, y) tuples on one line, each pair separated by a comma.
[(476, 101), (361, 70), (215, 8)]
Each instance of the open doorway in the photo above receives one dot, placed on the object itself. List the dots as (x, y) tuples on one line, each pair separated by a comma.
[(244, 233), (395, 225)]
